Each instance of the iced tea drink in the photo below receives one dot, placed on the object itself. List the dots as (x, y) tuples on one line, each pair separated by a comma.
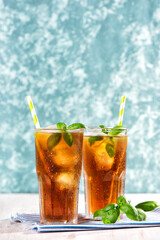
[(104, 168), (58, 166)]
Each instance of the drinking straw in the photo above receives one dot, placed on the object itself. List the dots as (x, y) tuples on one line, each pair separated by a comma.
[(121, 110), (33, 112), (36, 122)]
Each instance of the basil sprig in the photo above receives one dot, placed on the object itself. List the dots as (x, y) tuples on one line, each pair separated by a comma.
[(112, 211), (68, 137), (110, 148), (55, 138), (115, 131)]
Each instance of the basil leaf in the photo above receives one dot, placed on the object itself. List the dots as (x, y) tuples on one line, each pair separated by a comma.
[(147, 206), (76, 126), (93, 139), (106, 131), (106, 221), (101, 126), (116, 130), (99, 213), (53, 140), (68, 138), (110, 206), (110, 149), (111, 216), (61, 125), (130, 211), (141, 215), (121, 200)]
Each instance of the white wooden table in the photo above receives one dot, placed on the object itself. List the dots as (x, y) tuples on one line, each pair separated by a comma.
[(28, 203)]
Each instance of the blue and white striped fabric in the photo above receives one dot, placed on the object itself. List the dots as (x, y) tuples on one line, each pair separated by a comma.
[(153, 219)]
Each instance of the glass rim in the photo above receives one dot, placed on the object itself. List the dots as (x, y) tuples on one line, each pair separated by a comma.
[(107, 131), (106, 128), (54, 130)]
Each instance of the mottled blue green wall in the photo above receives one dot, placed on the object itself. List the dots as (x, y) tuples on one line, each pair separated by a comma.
[(76, 58)]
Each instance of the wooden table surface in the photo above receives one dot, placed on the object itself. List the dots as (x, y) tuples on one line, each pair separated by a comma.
[(28, 203)]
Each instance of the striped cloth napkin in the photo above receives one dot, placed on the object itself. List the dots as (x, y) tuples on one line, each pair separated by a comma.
[(84, 224)]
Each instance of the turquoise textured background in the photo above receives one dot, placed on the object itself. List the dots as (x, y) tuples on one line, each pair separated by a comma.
[(76, 58)]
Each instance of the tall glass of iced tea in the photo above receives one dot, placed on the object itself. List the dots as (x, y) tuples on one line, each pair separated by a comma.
[(58, 165), (104, 167)]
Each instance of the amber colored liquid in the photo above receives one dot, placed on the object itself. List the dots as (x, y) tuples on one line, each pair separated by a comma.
[(104, 176), (58, 171)]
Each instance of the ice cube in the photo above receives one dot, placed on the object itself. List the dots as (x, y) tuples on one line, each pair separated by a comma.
[(65, 180), (66, 157), (102, 159)]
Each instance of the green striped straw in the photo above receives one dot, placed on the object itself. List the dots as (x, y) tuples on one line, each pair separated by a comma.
[(33, 112), (121, 110)]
